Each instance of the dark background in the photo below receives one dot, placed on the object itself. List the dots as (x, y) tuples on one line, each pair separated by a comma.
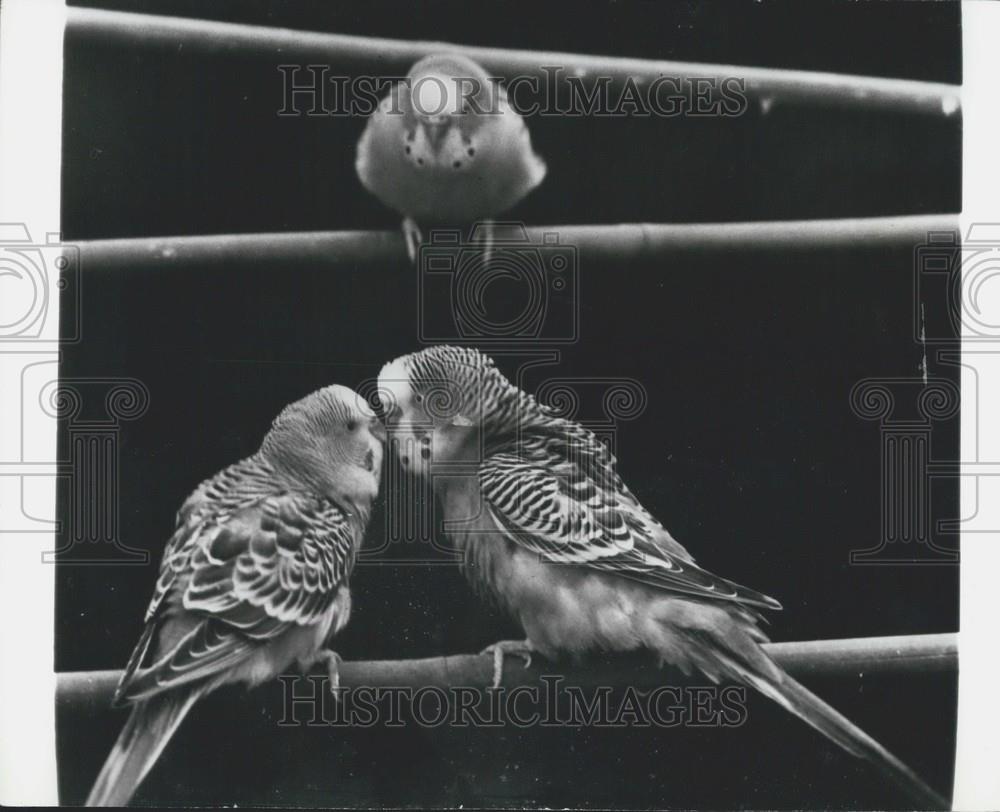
[(167, 142), (748, 450)]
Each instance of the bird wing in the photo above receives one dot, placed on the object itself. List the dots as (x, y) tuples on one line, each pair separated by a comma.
[(238, 487), (562, 499), (232, 580)]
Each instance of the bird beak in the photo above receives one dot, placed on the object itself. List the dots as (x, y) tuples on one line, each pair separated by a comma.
[(378, 430), (435, 130)]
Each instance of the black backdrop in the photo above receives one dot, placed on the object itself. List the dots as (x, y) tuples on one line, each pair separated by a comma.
[(748, 450)]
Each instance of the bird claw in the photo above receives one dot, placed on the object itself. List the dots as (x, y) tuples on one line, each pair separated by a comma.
[(413, 237), (500, 649), (487, 243), (332, 660)]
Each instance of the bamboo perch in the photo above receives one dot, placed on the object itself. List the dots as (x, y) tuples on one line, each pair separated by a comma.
[(609, 243), (91, 691), (764, 87)]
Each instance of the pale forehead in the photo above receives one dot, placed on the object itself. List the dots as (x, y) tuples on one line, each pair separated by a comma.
[(394, 385), (436, 95), (452, 65), (435, 366)]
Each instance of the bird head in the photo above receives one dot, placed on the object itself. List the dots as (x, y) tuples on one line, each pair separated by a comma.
[(443, 404), (446, 99), (331, 442)]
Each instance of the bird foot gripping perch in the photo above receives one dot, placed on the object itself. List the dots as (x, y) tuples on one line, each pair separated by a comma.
[(332, 661), (413, 237), (500, 649)]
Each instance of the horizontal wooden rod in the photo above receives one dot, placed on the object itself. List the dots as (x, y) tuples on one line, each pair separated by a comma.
[(603, 243), (850, 658), (765, 87)]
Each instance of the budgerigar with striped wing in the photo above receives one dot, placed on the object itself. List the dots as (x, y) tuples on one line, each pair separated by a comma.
[(548, 529), (255, 578)]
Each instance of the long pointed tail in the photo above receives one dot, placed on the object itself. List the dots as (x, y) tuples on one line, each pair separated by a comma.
[(838, 728), (146, 733), (724, 643)]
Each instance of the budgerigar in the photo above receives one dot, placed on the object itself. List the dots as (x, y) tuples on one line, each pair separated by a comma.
[(255, 577), (445, 146), (546, 527)]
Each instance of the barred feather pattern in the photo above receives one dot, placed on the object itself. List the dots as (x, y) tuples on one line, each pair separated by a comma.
[(253, 556), (554, 487), (254, 578)]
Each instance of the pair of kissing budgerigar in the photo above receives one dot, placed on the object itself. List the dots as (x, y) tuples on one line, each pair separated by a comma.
[(255, 578)]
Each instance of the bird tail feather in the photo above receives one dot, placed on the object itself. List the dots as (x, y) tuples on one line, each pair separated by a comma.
[(798, 699), (731, 650), (150, 726)]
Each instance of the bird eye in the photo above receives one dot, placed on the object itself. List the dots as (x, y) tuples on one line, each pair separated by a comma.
[(352, 425)]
